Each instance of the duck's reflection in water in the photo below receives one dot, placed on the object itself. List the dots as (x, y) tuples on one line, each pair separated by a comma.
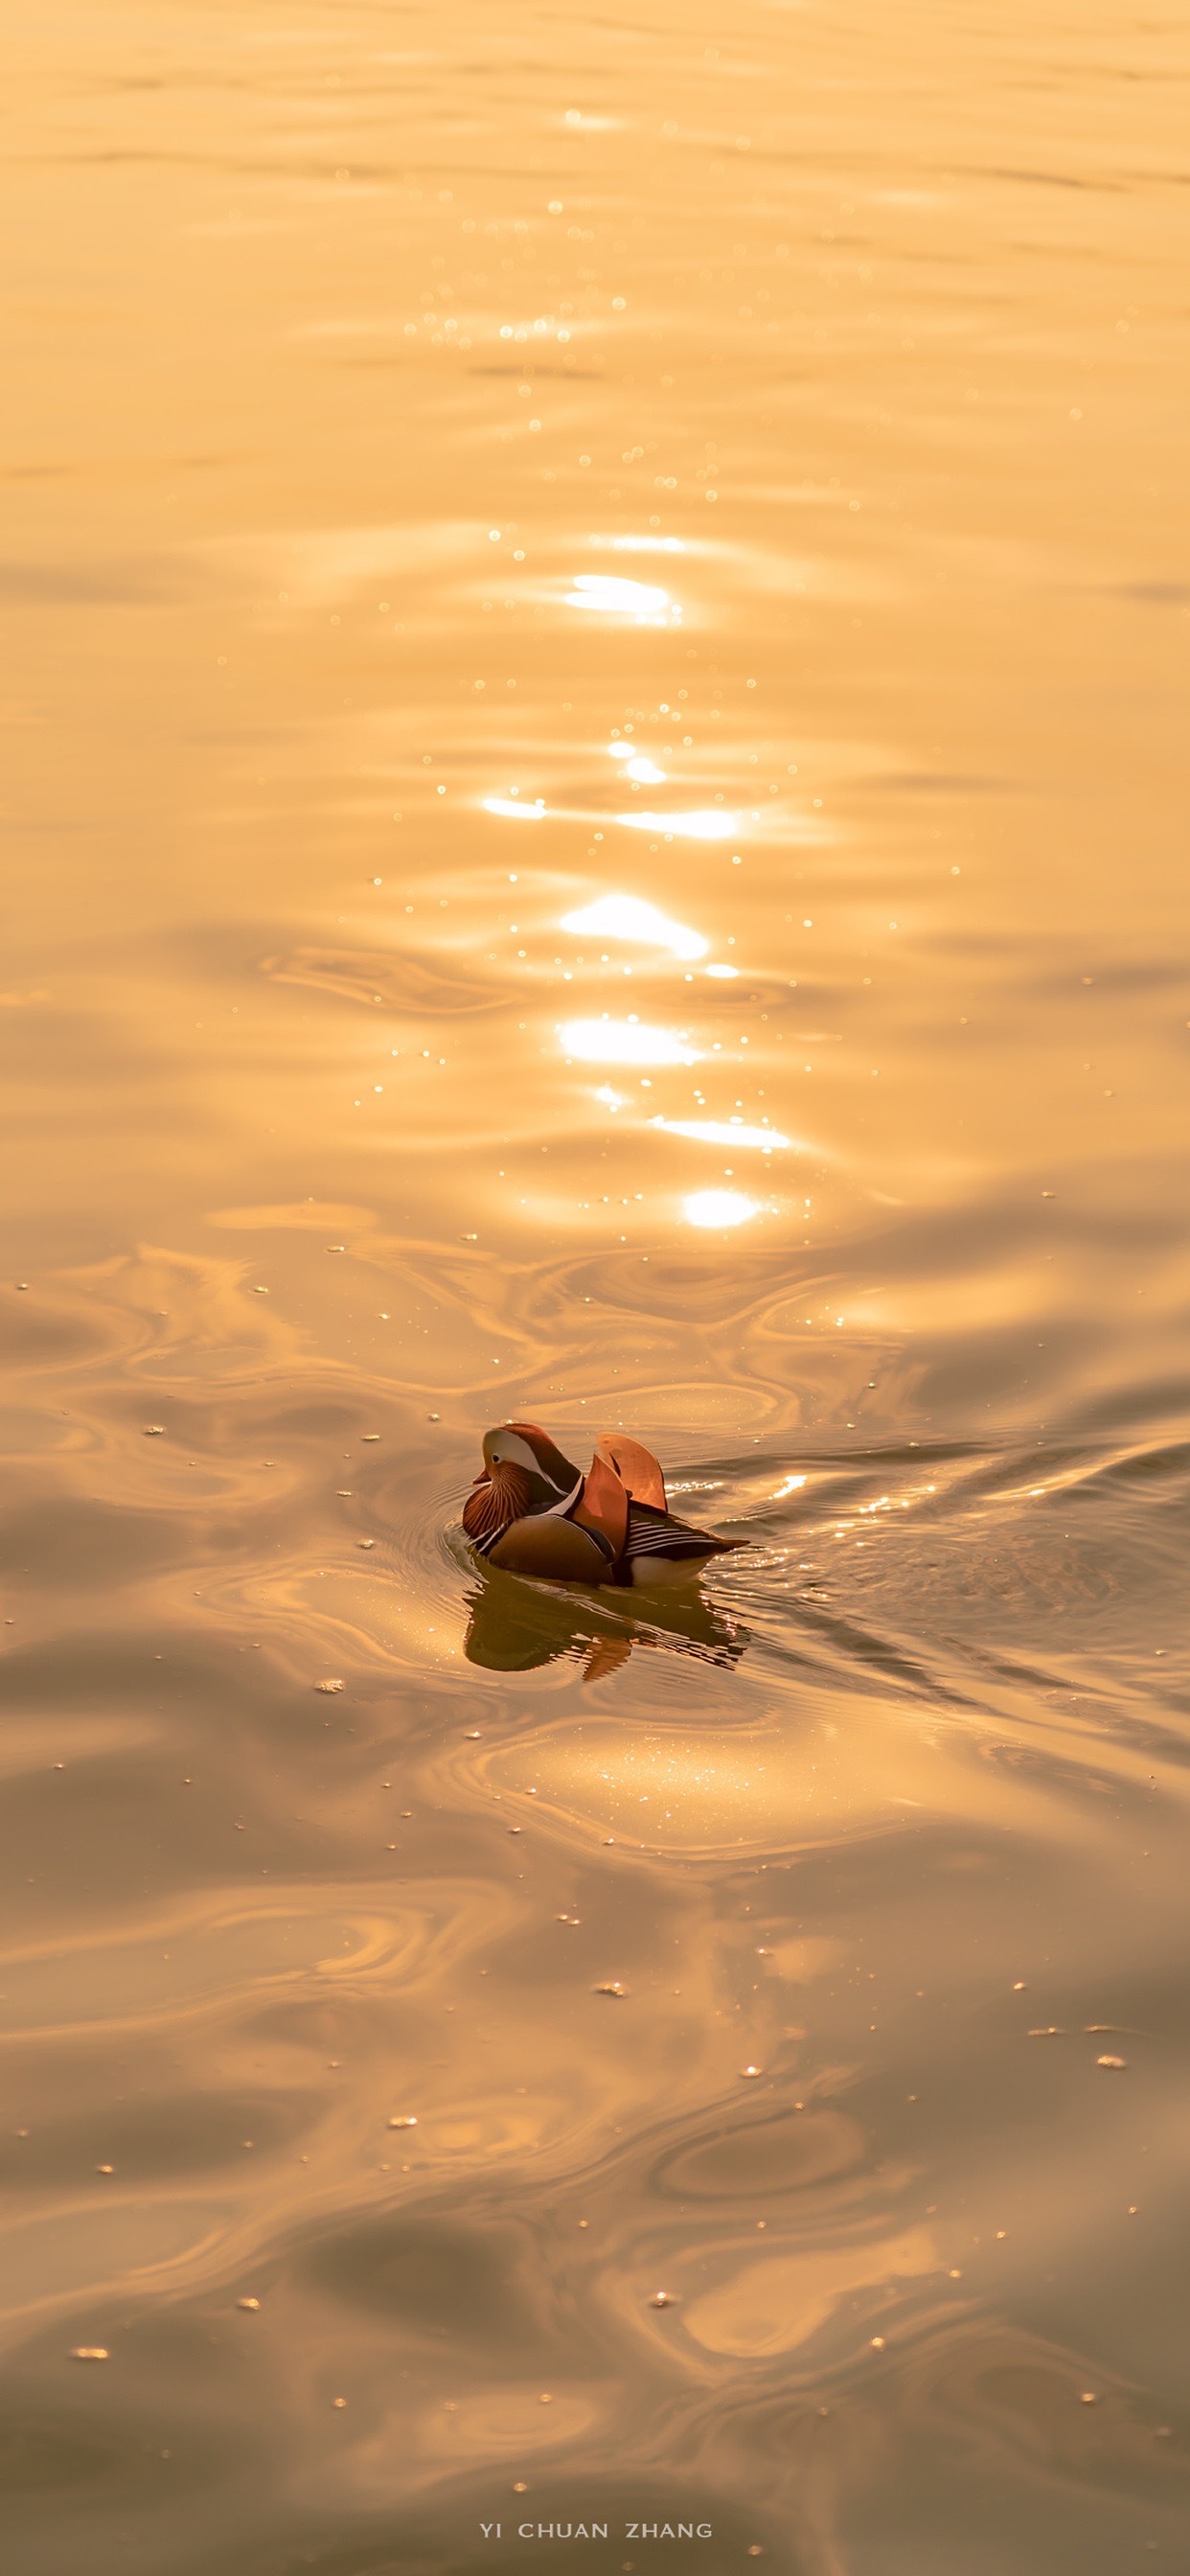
[(514, 1626)]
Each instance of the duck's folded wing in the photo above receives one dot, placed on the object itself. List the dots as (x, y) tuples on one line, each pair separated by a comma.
[(635, 1466), (603, 1504), (658, 1534)]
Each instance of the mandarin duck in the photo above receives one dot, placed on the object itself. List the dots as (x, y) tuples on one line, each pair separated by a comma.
[(532, 1512)]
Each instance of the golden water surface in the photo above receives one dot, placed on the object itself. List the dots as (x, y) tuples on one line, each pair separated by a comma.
[(597, 606)]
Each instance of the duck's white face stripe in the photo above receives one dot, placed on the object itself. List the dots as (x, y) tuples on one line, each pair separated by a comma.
[(509, 1450)]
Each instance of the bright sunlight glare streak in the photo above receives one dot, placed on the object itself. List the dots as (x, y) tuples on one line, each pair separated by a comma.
[(707, 825), (717, 1131), (727, 974), (510, 805), (719, 1208), (615, 595), (625, 916), (790, 1486), (624, 1042), (645, 772)]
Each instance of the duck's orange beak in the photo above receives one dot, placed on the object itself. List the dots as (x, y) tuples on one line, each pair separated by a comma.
[(483, 1478)]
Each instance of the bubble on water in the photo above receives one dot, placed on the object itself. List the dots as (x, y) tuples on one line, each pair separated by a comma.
[(251, 2305), (1111, 2061), (661, 2299), (365, 1542), (89, 2352), (404, 2120), (330, 1687), (154, 1431), (748, 2072), (610, 1986)]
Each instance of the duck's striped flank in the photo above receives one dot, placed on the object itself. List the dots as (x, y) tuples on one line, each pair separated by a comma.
[(654, 1533)]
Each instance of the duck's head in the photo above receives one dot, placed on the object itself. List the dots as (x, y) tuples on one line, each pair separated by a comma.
[(523, 1471)]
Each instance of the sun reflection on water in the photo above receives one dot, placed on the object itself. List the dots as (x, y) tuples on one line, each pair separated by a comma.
[(722, 1131), (612, 594), (706, 823), (719, 1209), (628, 916), (643, 545), (644, 771), (624, 1042)]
